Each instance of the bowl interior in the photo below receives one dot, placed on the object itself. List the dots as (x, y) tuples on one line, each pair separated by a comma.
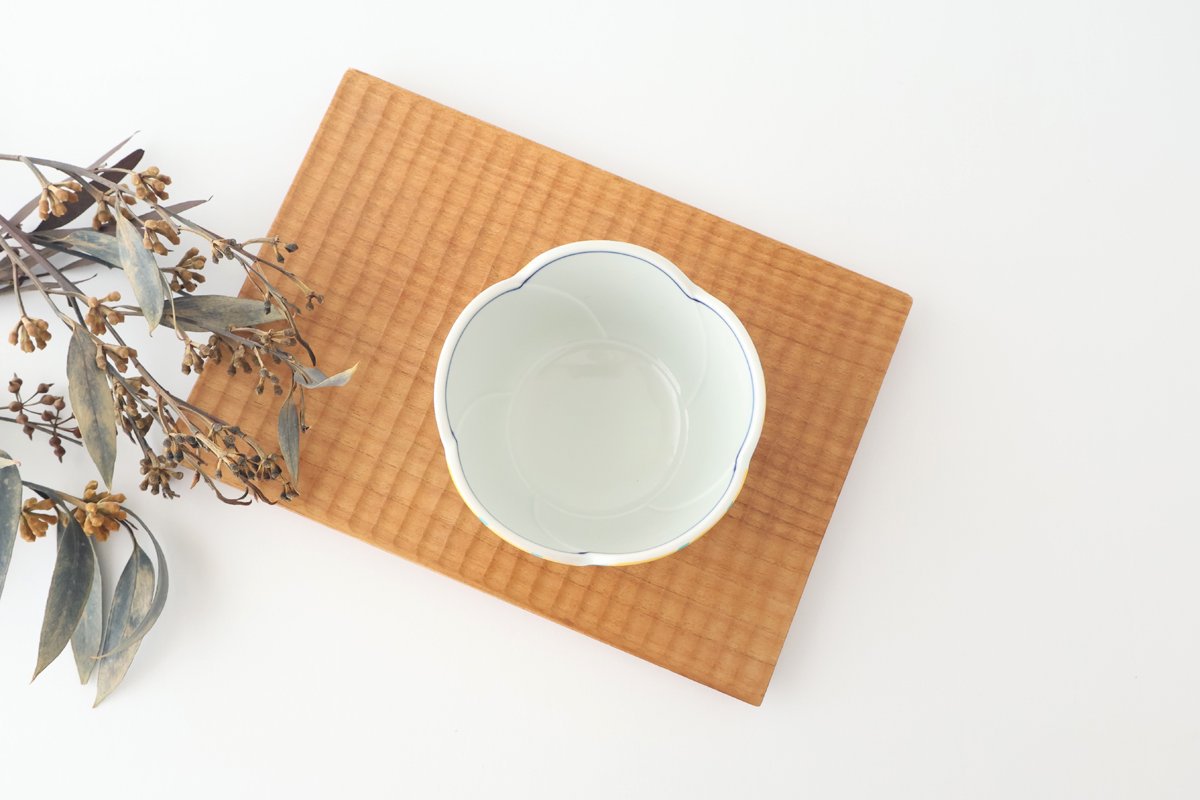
[(600, 405)]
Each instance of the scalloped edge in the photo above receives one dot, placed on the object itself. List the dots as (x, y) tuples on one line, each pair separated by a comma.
[(741, 462)]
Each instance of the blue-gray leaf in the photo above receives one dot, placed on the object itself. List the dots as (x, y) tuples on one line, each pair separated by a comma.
[(85, 643), (209, 312), (92, 402), (156, 604), (98, 246), (10, 513), (289, 436), (142, 271), (131, 602), (70, 585)]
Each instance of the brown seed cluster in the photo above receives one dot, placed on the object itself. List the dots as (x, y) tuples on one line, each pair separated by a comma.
[(150, 184), (30, 333), (185, 276), (223, 248), (55, 196), (177, 446), (46, 413), (99, 316), (197, 356), (100, 513), (104, 204), (193, 358), (237, 452), (280, 248), (129, 410), (154, 228), (250, 357), (267, 377), (254, 467), (159, 472), (102, 216), (118, 354), (34, 522)]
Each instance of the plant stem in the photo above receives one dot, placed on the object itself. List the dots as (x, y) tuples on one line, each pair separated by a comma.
[(40, 426)]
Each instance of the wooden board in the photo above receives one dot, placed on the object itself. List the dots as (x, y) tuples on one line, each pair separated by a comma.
[(420, 207)]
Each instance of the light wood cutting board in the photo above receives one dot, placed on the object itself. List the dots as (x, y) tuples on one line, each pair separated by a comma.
[(421, 207)]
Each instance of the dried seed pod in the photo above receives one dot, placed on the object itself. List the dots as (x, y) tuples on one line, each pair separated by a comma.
[(34, 524), (164, 228), (30, 334), (101, 512)]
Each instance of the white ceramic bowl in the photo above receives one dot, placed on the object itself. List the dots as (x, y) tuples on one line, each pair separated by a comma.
[(598, 407)]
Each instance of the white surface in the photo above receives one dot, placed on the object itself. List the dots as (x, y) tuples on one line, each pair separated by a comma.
[(597, 407), (1005, 604)]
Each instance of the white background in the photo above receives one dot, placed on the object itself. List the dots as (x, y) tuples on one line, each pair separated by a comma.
[(1006, 602)]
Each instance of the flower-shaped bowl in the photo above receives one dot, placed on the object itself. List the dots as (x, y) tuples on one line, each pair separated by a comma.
[(598, 408)]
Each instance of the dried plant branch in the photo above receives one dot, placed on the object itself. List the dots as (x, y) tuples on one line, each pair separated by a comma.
[(110, 389)]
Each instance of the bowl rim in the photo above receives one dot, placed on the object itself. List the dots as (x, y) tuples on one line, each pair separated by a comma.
[(691, 290)]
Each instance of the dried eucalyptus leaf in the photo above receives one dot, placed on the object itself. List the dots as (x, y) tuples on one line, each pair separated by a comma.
[(122, 598), (70, 585), (10, 512), (5, 461), (289, 436), (131, 602), (97, 246), (313, 378), (25, 210), (85, 642), (142, 271), (156, 603), (92, 402), (85, 201), (175, 208), (217, 313), (99, 162)]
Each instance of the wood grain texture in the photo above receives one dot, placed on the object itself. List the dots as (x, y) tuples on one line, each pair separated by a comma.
[(424, 207)]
